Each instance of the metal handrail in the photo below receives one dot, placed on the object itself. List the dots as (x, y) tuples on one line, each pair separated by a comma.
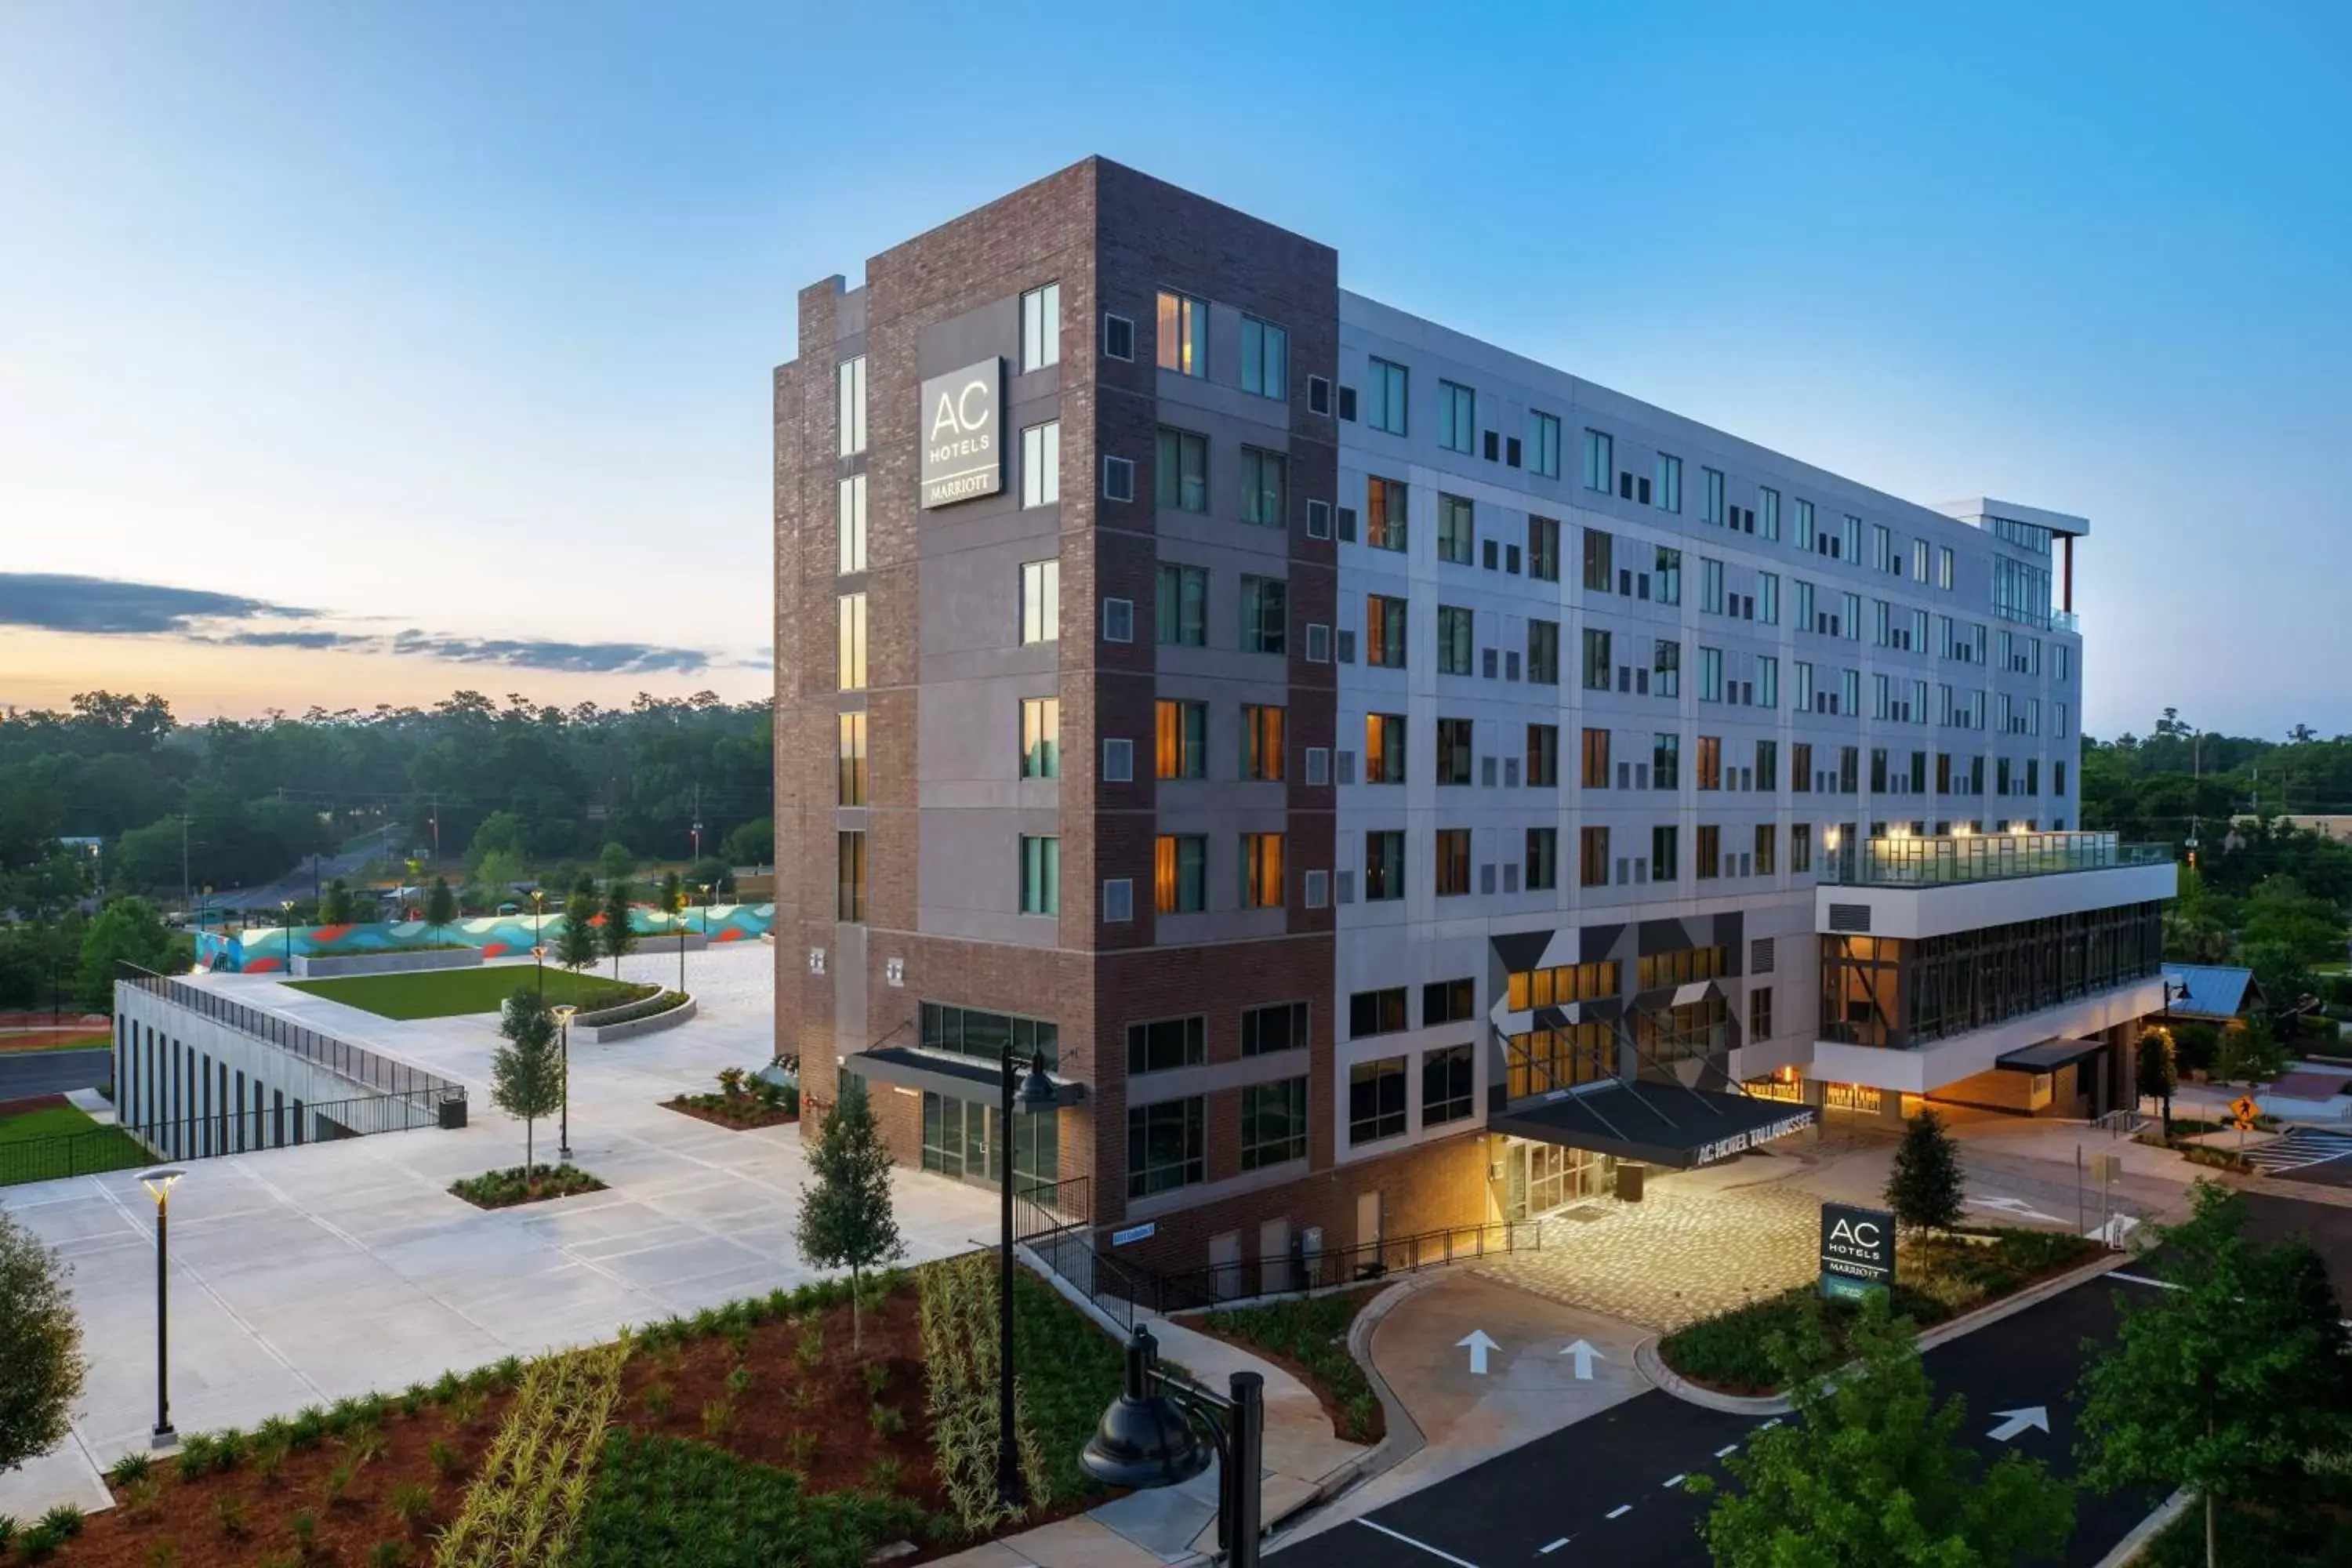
[(1949, 859), (356, 1063), (240, 1131)]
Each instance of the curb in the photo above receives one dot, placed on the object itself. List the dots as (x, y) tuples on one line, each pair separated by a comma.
[(1403, 1437), (2148, 1529)]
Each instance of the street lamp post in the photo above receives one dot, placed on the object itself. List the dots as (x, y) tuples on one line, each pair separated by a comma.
[(679, 914), (1036, 1097), (286, 929), (1146, 1439), (539, 958), (159, 1187), (564, 1012)]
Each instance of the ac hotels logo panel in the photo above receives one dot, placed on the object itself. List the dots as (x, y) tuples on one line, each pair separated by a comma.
[(963, 457)]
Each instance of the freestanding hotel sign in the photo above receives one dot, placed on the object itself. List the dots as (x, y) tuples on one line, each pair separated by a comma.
[(963, 446), (1857, 1252)]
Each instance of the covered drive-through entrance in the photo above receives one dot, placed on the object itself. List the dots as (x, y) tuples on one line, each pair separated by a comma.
[(1597, 1140)]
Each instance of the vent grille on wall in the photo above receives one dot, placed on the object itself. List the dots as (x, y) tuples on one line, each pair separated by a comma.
[(1852, 918)]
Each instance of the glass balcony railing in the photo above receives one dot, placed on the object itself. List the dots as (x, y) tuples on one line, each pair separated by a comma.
[(1923, 862)]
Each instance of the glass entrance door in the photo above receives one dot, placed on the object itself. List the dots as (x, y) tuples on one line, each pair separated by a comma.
[(1538, 1178), (956, 1141)]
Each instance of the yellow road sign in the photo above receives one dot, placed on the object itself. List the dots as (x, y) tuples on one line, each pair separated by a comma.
[(2244, 1111)]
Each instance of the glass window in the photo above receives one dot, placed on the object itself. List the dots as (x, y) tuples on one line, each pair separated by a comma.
[(1710, 586), (1453, 750), (1041, 737), (1882, 548), (1274, 1123), (1768, 764), (1593, 858), (1384, 631), (851, 741), (1261, 742), (1943, 566), (1768, 681), (1669, 575), (1448, 1001), (1543, 652), (972, 1032), (1181, 475), (1759, 1001), (1710, 505), (1384, 519), (1457, 416), (1384, 748), (1600, 461), (1041, 875), (1456, 530), (1378, 1013), (1595, 771), (1262, 871), (1542, 859), (1183, 740), (1262, 485), (1167, 1146), (1041, 601), (849, 903), (1666, 669), (1663, 855), (1383, 867), (1543, 755), (1768, 513), (1183, 334), (851, 416), (1850, 536), (1183, 607), (1710, 762), (1384, 397), (1767, 848), (1670, 483), (1266, 358), (1454, 640), (1543, 444), (1041, 464), (1167, 1043), (1446, 1085), (1804, 539), (853, 524), (1768, 597), (1452, 862), (1280, 1027), (1800, 847), (1041, 327), (1179, 867), (1376, 1100), (1543, 548), (1264, 618), (1600, 573), (1710, 851), (1596, 659), (853, 642)]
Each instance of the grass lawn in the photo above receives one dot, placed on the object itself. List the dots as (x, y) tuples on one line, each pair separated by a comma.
[(28, 1152), (445, 993)]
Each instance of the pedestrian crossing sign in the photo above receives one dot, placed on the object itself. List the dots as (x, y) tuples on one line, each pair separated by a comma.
[(2243, 1110)]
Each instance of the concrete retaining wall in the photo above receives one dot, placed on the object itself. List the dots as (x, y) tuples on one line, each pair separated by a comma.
[(308, 968), (611, 1033)]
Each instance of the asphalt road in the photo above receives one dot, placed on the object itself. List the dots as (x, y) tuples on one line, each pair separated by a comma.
[(26, 1073), (1608, 1489)]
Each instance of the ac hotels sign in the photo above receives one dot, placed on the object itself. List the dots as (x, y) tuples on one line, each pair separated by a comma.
[(963, 451), (1857, 1251)]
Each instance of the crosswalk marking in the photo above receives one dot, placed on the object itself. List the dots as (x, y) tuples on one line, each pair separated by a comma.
[(2303, 1147)]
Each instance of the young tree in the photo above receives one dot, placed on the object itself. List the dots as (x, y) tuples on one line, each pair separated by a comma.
[(576, 944), (339, 908), (620, 938), (845, 1218), (2160, 1075), (128, 931), (1925, 1187), (1871, 1471), (41, 1364), (673, 893), (615, 861), (527, 1072), (440, 905), (2227, 1384)]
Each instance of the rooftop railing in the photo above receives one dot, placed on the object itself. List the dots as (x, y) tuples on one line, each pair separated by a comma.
[(1923, 862)]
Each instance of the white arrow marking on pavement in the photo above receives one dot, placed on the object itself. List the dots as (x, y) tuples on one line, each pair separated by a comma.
[(2016, 1421), (1478, 1345), (2017, 1206), (1585, 1356)]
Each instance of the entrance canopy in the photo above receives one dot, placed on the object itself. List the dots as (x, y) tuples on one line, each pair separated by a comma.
[(2049, 1056), (1657, 1123)]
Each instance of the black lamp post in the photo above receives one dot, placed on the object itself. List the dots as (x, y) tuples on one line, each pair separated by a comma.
[(159, 1187), (564, 1012), (1146, 1438), (538, 937), (286, 912), (1036, 1097)]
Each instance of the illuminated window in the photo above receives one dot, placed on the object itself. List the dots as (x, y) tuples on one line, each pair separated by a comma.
[(1182, 731), (853, 524), (1262, 871), (853, 642), (1041, 738), (1180, 873), (1183, 334), (852, 749)]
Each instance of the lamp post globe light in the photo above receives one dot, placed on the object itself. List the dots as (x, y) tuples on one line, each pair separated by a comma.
[(159, 1187), (563, 1011), (1150, 1437)]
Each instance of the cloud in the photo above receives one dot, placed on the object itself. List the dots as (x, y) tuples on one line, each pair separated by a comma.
[(107, 607), (591, 658)]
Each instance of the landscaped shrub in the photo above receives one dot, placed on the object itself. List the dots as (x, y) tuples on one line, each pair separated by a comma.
[(504, 1189), (526, 1503), (630, 1011), (671, 1502), (744, 1100), (959, 1313), (1312, 1335)]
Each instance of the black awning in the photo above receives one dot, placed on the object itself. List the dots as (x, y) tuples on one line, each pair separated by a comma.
[(957, 1077), (1657, 1123), (2049, 1056)]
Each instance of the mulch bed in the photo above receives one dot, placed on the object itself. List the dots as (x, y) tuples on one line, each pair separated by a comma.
[(1333, 1410), (564, 1182), (741, 1113)]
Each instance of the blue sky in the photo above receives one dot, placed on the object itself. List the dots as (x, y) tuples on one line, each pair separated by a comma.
[(449, 326)]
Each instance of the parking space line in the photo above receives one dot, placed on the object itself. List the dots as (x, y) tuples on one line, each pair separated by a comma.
[(1623, 1508), (1727, 1448), (1424, 1545), (1547, 1551), (1674, 1481)]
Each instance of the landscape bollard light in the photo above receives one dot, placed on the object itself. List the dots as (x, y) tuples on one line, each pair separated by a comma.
[(1146, 1439), (159, 1187), (564, 1012)]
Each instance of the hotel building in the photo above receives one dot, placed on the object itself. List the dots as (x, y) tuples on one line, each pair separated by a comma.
[(1393, 783)]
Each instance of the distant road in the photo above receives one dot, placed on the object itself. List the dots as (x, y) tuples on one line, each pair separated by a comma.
[(297, 883), (24, 1074)]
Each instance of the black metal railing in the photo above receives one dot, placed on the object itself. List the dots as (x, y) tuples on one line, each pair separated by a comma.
[(356, 1063), (280, 1123), (90, 1153)]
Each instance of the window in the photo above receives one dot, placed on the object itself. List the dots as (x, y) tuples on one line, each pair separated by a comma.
[(1670, 483), (1182, 731), (1385, 395), (1262, 871), (1806, 619), (1263, 475), (1384, 643), (1666, 669), (1457, 416), (1266, 358), (1457, 528), (1710, 586), (1318, 395), (1180, 863), (1599, 553), (1383, 867), (1543, 652), (1264, 615), (1542, 859), (1593, 858), (1377, 1012), (1183, 609), (1944, 566), (1041, 875), (1543, 757), (1807, 697), (1599, 462), (1118, 478), (1453, 750), (1384, 502), (1669, 575), (1596, 659), (851, 746), (1446, 1079), (1800, 847), (1850, 537), (1454, 637), (1274, 1123), (1804, 539), (853, 642), (1768, 764), (1118, 620), (990, 1036), (1183, 334), (1595, 771), (1041, 601), (1452, 862), (1119, 336), (1041, 737), (1710, 675), (1768, 597), (1543, 444), (1760, 1013), (1041, 327), (1119, 759), (1167, 1144), (1710, 501), (1710, 851), (1849, 691), (1710, 762), (852, 415), (1849, 621), (1663, 853), (1543, 548), (1280, 1027), (1376, 1100), (1041, 464), (1920, 561), (1767, 848), (1768, 681), (1384, 748), (850, 898), (1768, 513), (1882, 548), (1261, 742), (853, 524), (1179, 478)]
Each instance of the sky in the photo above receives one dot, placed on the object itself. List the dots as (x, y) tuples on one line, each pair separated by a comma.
[(357, 353)]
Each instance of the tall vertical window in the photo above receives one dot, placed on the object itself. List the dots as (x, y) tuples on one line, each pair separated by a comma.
[(1456, 530), (1385, 395), (1767, 848), (1261, 870), (1041, 464), (1274, 1123), (1543, 548), (850, 882), (1182, 734), (1666, 669), (1384, 514), (1665, 855), (1263, 475), (1710, 675), (1709, 855), (1543, 444), (851, 416), (1804, 539), (1806, 621), (1384, 629), (1800, 767), (1454, 639), (1457, 416), (1768, 764), (1849, 691), (1179, 880), (1600, 556), (1453, 750), (1710, 586), (851, 741), (1452, 862), (1041, 875), (1882, 548), (1943, 566), (1593, 858), (1768, 681), (1041, 327), (1384, 748), (1266, 358), (853, 642), (1180, 475), (1800, 847), (1850, 536), (1600, 461), (1375, 1099), (1768, 513), (1768, 597), (1849, 618), (1383, 867), (1041, 737), (1543, 755), (1265, 615), (1670, 483), (1183, 334), (1710, 502), (1595, 771), (1041, 601), (1261, 742), (1596, 659), (1667, 577), (853, 524), (1920, 561), (1710, 762), (1805, 692), (1665, 761), (1183, 606), (1543, 652)]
